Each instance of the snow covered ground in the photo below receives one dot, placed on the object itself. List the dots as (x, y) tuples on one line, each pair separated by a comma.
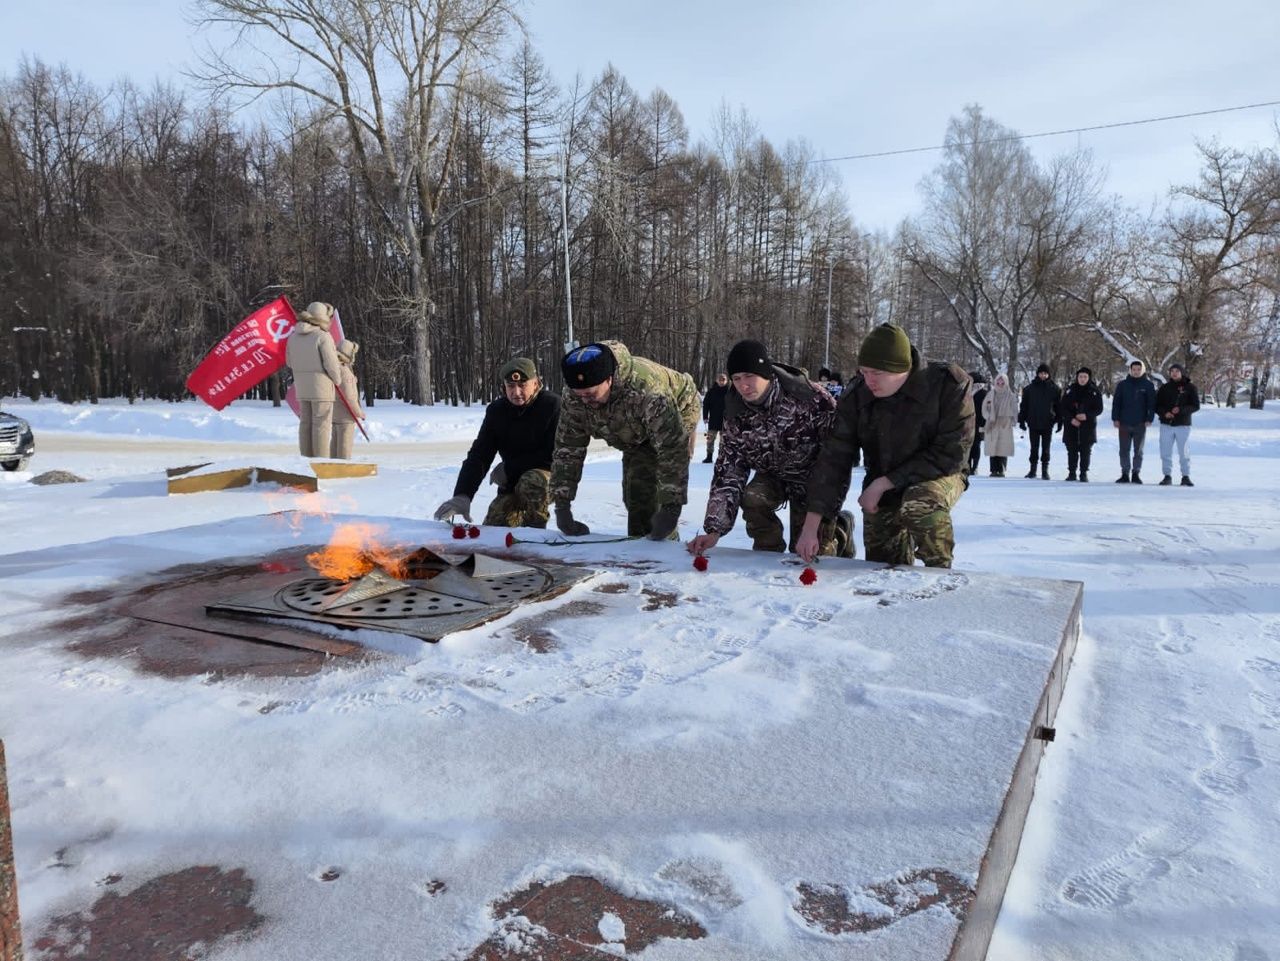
[(1155, 831)]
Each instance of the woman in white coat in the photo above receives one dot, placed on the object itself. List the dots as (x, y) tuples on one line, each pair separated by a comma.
[(1000, 408)]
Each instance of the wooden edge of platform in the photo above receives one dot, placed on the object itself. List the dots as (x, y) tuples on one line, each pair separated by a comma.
[(215, 481), (330, 470), (179, 471), (974, 936)]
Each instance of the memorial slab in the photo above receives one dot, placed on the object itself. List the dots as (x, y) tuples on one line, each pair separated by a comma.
[(750, 769)]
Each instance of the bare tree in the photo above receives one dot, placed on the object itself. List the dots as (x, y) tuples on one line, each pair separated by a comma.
[(392, 71)]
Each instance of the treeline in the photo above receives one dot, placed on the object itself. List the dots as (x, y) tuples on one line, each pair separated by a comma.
[(138, 225)]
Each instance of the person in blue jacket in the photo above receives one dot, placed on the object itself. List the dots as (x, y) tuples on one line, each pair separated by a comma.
[(1133, 407)]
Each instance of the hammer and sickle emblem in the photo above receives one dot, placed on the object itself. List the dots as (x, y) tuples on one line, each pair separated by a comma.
[(279, 328)]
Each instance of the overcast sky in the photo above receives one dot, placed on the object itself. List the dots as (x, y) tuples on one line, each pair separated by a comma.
[(850, 78)]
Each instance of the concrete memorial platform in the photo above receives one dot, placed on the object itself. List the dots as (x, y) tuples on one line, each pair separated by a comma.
[(660, 762)]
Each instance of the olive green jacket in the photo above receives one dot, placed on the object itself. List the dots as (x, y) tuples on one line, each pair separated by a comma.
[(649, 406), (922, 432)]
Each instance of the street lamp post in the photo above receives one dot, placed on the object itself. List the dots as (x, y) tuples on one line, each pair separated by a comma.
[(826, 354)]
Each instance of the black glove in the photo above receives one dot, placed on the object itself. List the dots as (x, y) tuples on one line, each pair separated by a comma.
[(1058, 429), (664, 521), (1022, 425), (564, 520)]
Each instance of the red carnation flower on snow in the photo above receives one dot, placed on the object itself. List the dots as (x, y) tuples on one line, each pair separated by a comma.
[(511, 539), (473, 531), (808, 576), (459, 532), (699, 563)]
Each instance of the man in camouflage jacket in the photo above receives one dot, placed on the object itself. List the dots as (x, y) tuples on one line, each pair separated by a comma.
[(914, 423), (774, 422), (647, 411)]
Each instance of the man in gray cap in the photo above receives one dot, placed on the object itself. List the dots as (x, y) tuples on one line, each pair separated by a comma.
[(520, 428)]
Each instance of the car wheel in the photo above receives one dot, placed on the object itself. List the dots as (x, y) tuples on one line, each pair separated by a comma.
[(16, 464)]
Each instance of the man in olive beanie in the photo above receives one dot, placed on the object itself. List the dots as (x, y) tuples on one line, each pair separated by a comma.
[(914, 423)]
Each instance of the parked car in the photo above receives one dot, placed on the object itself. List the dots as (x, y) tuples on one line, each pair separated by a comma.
[(17, 442)]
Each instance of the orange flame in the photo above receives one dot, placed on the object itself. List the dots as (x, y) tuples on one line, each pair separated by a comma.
[(356, 549)]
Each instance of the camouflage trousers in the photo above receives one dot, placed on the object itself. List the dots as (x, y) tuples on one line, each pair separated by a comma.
[(761, 498), (525, 505), (640, 477), (918, 526), (711, 443)]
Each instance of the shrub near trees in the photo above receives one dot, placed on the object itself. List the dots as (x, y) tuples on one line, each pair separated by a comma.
[(427, 198)]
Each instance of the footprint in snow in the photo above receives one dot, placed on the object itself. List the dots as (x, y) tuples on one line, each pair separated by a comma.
[(1234, 758), (1112, 883)]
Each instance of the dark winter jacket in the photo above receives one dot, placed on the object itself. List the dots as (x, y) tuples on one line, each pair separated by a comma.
[(524, 437), (1077, 399), (979, 421), (1039, 407), (713, 406), (1181, 394), (1134, 402), (922, 432), (779, 436)]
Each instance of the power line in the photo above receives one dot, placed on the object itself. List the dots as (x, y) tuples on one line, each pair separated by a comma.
[(1049, 133)]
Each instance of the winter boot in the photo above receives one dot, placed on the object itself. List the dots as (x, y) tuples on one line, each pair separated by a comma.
[(845, 546), (1032, 472), (1123, 478), (1186, 482), (1134, 478), (1084, 477), (707, 459), (1071, 475), (1167, 481), (1044, 471)]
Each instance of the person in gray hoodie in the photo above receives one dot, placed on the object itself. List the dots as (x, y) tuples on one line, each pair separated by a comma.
[(313, 358)]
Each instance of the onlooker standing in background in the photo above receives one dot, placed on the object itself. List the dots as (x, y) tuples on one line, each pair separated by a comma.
[(311, 356), (999, 410), (344, 424), (1081, 405), (713, 412), (1133, 407), (1038, 414), (978, 390), (1176, 400)]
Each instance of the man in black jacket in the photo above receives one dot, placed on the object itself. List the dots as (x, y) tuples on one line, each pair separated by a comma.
[(1038, 414), (1176, 400), (913, 421), (713, 412), (519, 427), (978, 391)]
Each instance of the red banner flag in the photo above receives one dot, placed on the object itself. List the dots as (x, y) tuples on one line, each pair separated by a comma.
[(252, 352)]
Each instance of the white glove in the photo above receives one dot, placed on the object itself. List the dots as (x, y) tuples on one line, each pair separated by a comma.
[(454, 505)]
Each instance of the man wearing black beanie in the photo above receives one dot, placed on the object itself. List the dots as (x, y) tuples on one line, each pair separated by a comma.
[(1038, 413), (774, 421), (647, 411)]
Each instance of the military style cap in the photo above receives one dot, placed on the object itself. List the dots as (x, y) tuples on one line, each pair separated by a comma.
[(588, 366), (518, 370)]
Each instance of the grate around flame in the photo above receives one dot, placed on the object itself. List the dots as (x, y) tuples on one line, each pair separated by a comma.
[(468, 590), (316, 595)]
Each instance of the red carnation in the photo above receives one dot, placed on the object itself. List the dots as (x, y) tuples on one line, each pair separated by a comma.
[(511, 539), (459, 532), (808, 576), (473, 531), (699, 563)]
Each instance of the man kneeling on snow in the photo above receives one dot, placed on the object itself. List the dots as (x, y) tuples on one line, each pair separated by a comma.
[(519, 427), (914, 424), (774, 421), (647, 411)]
